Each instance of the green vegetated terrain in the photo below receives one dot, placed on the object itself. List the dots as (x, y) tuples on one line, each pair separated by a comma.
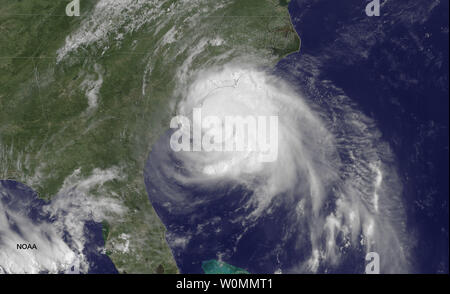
[(81, 97)]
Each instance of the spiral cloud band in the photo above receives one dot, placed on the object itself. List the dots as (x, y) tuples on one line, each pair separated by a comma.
[(330, 196)]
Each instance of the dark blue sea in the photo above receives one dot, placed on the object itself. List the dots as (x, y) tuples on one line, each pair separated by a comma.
[(395, 67)]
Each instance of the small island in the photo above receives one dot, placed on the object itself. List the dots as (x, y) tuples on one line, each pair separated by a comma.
[(219, 267)]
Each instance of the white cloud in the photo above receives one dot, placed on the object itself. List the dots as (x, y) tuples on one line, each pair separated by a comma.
[(69, 211)]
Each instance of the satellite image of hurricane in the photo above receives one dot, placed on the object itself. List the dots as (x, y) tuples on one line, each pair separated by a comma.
[(225, 136)]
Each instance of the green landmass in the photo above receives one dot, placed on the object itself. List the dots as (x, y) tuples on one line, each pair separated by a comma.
[(101, 104), (105, 230)]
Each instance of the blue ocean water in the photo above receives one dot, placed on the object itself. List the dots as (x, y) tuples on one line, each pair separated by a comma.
[(21, 199), (209, 220), (396, 68)]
